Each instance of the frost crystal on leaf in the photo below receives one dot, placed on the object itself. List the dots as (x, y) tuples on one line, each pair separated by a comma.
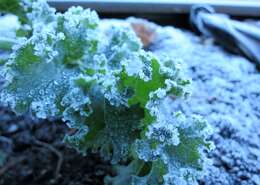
[(104, 85)]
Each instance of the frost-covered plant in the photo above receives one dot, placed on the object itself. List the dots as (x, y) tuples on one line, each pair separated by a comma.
[(112, 92)]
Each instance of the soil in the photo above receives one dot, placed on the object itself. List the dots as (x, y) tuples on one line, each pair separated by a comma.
[(34, 149)]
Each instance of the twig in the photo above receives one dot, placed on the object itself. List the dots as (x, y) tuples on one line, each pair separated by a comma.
[(56, 152)]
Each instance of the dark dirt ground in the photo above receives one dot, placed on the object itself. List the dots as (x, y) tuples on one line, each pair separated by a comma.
[(35, 150)]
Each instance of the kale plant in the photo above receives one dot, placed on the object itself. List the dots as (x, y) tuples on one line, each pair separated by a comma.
[(110, 91)]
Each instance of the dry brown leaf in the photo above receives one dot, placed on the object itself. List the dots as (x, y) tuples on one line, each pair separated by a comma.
[(145, 32)]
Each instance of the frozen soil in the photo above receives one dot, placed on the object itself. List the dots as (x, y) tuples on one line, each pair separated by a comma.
[(226, 91), (34, 150)]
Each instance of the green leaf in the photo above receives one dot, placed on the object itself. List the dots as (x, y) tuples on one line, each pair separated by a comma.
[(143, 88), (7, 43), (112, 130), (35, 83), (182, 162), (14, 7), (109, 90)]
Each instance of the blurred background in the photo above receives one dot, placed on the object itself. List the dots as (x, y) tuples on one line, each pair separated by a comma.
[(174, 12)]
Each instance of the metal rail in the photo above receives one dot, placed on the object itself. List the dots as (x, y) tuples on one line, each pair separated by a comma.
[(231, 7)]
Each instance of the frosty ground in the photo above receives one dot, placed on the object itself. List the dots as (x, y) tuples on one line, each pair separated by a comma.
[(226, 91)]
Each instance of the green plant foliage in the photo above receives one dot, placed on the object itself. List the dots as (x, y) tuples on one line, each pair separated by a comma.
[(14, 7), (115, 94)]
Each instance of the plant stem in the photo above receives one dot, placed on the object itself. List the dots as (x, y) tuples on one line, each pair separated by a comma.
[(138, 166), (56, 152)]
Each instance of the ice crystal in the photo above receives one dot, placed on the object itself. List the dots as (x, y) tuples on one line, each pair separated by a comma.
[(104, 85)]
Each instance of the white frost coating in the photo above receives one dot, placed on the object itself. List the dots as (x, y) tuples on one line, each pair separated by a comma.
[(9, 24), (132, 68), (41, 15), (165, 133), (159, 93), (44, 44), (77, 18), (144, 152), (75, 99), (111, 91), (170, 179), (39, 108)]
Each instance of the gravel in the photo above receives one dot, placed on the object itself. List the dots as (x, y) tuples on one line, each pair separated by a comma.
[(226, 91)]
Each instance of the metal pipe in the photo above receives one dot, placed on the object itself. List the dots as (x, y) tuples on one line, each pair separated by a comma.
[(231, 7)]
